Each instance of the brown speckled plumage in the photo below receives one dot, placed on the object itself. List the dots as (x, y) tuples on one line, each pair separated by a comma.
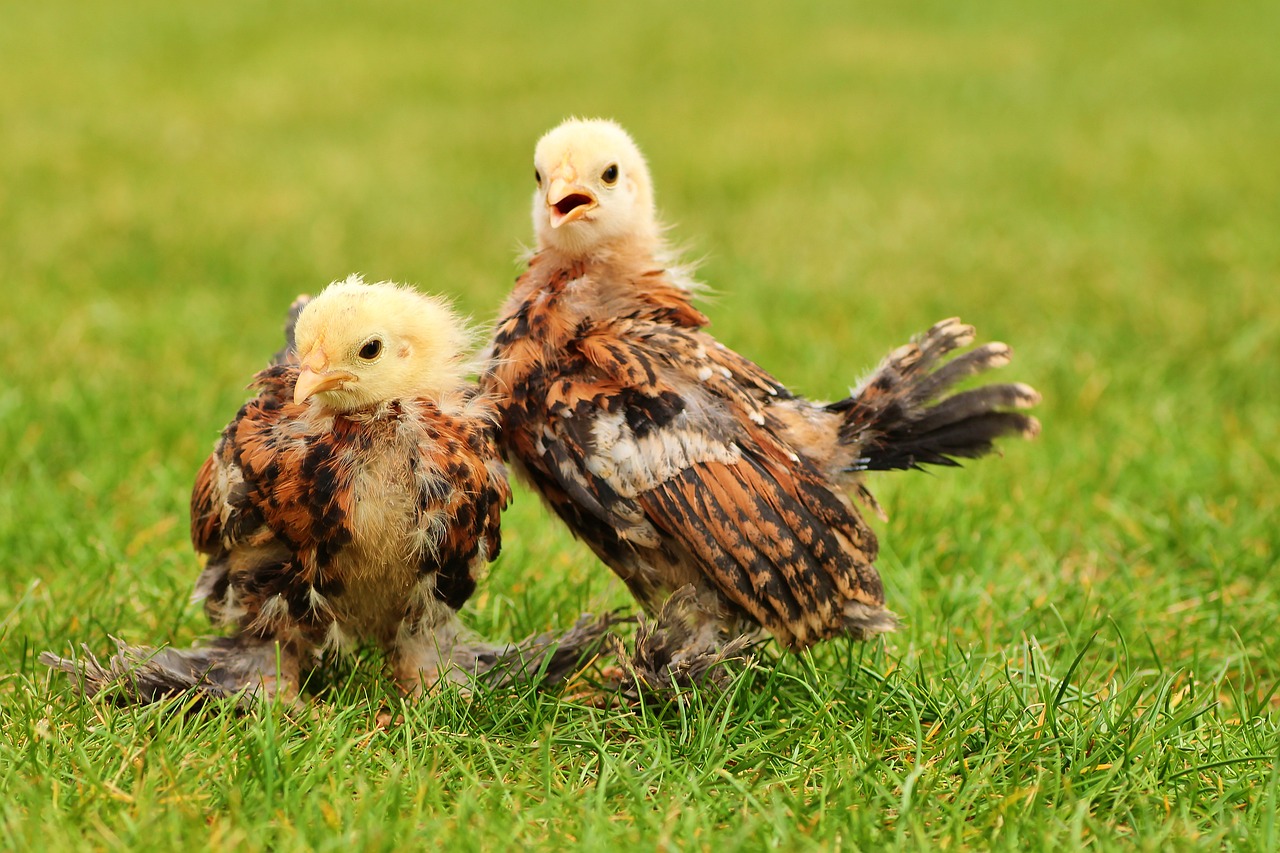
[(331, 519), (323, 528), (680, 462)]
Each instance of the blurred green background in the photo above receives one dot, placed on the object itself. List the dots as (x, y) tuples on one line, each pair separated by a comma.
[(1097, 184)]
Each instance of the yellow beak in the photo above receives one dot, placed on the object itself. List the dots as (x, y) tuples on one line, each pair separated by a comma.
[(316, 377), (568, 201)]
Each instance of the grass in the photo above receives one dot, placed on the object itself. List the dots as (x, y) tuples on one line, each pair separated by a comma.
[(1089, 658)]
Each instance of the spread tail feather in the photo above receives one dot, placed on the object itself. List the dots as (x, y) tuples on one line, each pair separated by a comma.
[(224, 667), (546, 659), (895, 418)]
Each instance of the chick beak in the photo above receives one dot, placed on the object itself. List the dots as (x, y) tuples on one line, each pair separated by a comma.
[(568, 201), (315, 376)]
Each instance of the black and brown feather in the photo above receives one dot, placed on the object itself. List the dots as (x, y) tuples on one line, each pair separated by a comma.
[(665, 452), (302, 511)]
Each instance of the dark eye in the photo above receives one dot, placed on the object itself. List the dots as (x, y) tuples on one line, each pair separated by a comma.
[(371, 350), (537, 176), (610, 175)]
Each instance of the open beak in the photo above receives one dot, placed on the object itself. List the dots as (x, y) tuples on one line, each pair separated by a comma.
[(568, 201), (316, 377)]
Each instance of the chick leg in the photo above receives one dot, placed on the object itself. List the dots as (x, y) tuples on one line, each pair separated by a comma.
[(434, 647), (683, 646)]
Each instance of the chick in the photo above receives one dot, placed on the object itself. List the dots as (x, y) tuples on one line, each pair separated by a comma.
[(353, 501), (680, 462)]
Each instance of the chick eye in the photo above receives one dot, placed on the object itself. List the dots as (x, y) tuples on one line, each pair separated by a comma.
[(610, 175), (371, 350), (537, 176)]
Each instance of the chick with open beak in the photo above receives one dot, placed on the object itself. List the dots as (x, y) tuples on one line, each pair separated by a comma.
[(567, 199), (591, 195), (683, 464)]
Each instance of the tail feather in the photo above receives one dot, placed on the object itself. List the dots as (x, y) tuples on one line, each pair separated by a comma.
[(966, 405), (979, 360), (248, 669), (289, 354), (546, 659), (896, 420), (221, 668)]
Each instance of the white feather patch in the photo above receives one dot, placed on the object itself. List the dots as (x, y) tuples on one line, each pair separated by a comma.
[(631, 464)]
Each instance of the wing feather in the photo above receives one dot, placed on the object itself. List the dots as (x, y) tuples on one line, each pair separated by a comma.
[(459, 488), (271, 506), (661, 448), (671, 430), (762, 547)]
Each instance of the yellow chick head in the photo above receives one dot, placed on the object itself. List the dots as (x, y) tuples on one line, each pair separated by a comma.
[(364, 344), (593, 189)]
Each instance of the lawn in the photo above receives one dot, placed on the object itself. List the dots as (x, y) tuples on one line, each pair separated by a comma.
[(1089, 657)]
